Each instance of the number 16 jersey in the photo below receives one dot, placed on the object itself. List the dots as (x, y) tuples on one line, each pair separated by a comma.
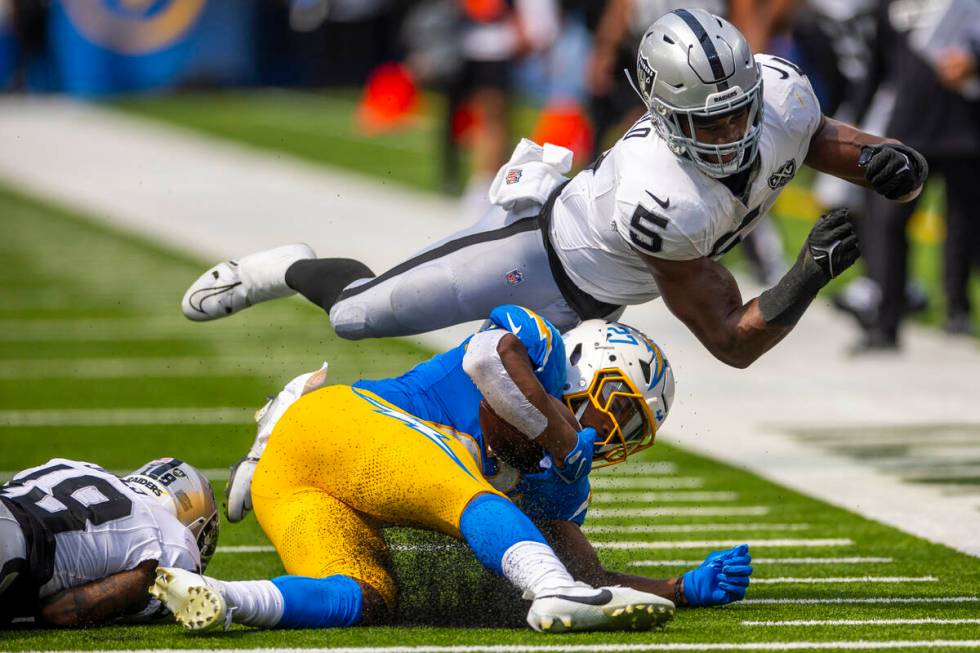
[(641, 197), (82, 524)]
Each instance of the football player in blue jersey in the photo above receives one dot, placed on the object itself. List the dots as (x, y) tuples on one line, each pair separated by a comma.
[(609, 376)]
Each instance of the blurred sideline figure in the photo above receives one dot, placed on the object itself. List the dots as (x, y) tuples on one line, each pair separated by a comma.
[(494, 35), (649, 218), (614, 105), (926, 53), (80, 546)]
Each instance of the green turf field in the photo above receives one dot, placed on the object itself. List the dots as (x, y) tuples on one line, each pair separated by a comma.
[(320, 127), (93, 348)]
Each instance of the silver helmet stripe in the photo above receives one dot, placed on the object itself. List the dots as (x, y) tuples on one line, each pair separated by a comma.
[(721, 79)]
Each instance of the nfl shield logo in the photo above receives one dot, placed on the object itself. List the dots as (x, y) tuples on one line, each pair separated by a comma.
[(513, 176), (514, 277)]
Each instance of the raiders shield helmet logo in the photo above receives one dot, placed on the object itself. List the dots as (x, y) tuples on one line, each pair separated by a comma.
[(782, 176), (646, 76)]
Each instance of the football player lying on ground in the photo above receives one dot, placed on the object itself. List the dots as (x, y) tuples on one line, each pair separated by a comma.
[(726, 131), (336, 463), (80, 546)]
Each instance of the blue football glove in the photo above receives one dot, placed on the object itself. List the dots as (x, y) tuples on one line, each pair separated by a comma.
[(722, 578), (578, 462)]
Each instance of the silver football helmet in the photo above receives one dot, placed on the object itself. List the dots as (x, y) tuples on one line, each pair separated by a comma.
[(693, 68), (186, 493), (624, 375)]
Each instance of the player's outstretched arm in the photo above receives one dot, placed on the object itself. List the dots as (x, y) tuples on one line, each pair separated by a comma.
[(722, 578), (101, 600), (704, 295), (892, 169)]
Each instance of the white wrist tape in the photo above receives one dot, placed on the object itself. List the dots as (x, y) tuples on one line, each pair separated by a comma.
[(483, 365), (267, 416)]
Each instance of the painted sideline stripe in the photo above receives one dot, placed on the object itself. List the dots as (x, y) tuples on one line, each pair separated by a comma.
[(847, 645), (711, 544), (860, 622), (871, 600), (694, 511), (656, 497), (767, 561), (645, 483), (125, 416), (694, 528), (846, 579)]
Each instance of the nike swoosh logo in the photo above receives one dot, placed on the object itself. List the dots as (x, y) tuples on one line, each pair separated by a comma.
[(601, 598), (663, 203), (513, 327), (200, 296)]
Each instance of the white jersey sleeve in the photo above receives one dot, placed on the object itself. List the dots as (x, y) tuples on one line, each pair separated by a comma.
[(99, 526)]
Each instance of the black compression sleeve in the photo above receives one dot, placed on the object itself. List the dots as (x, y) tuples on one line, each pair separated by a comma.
[(322, 280), (785, 303)]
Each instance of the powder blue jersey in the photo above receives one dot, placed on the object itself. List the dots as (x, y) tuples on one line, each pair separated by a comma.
[(439, 390)]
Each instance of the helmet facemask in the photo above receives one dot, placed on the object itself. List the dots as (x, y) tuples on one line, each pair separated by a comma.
[(612, 394), (678, 127)]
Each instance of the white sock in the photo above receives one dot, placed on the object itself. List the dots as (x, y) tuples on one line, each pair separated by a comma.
[(256, 603), (533, 568)]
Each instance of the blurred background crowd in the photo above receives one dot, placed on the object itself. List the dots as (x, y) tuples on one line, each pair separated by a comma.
[(490, 71)]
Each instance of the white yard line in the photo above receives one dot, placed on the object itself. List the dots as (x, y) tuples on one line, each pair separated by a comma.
[(143, 367), (884, 600), (662, 497), (643, 483), (769, 561), (124, 416), (844, 579), (694, 511), (629, 546), (635, 470), (714, 544), (849, 645), (861, 622), (693, 528)]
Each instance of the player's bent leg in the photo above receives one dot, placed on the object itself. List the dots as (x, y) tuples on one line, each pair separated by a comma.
[(505, 541), (239, 283), (316, 535)]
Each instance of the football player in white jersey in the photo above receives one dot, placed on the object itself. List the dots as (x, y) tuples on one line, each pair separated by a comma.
[(725, 132), (79, 545)]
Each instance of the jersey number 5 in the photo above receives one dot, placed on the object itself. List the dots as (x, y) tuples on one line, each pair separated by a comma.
[(641, 229)]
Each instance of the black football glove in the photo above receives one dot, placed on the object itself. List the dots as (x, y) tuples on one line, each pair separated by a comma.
[(832, 244), (831, 248), (893, 170)]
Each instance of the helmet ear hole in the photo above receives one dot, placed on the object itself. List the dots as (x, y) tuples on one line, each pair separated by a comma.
[(576, 355)]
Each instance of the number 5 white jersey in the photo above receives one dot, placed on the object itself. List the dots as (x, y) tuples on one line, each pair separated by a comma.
[(92, 525), (640, 196)]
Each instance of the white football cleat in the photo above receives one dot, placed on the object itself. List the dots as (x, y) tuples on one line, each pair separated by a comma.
[(233, 285), (194, 604), (238, 491), (584, 608)]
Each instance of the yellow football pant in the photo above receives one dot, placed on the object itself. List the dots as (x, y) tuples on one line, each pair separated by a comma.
[(340, 464)]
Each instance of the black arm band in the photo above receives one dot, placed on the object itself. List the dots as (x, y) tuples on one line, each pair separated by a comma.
[(784, 304)]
